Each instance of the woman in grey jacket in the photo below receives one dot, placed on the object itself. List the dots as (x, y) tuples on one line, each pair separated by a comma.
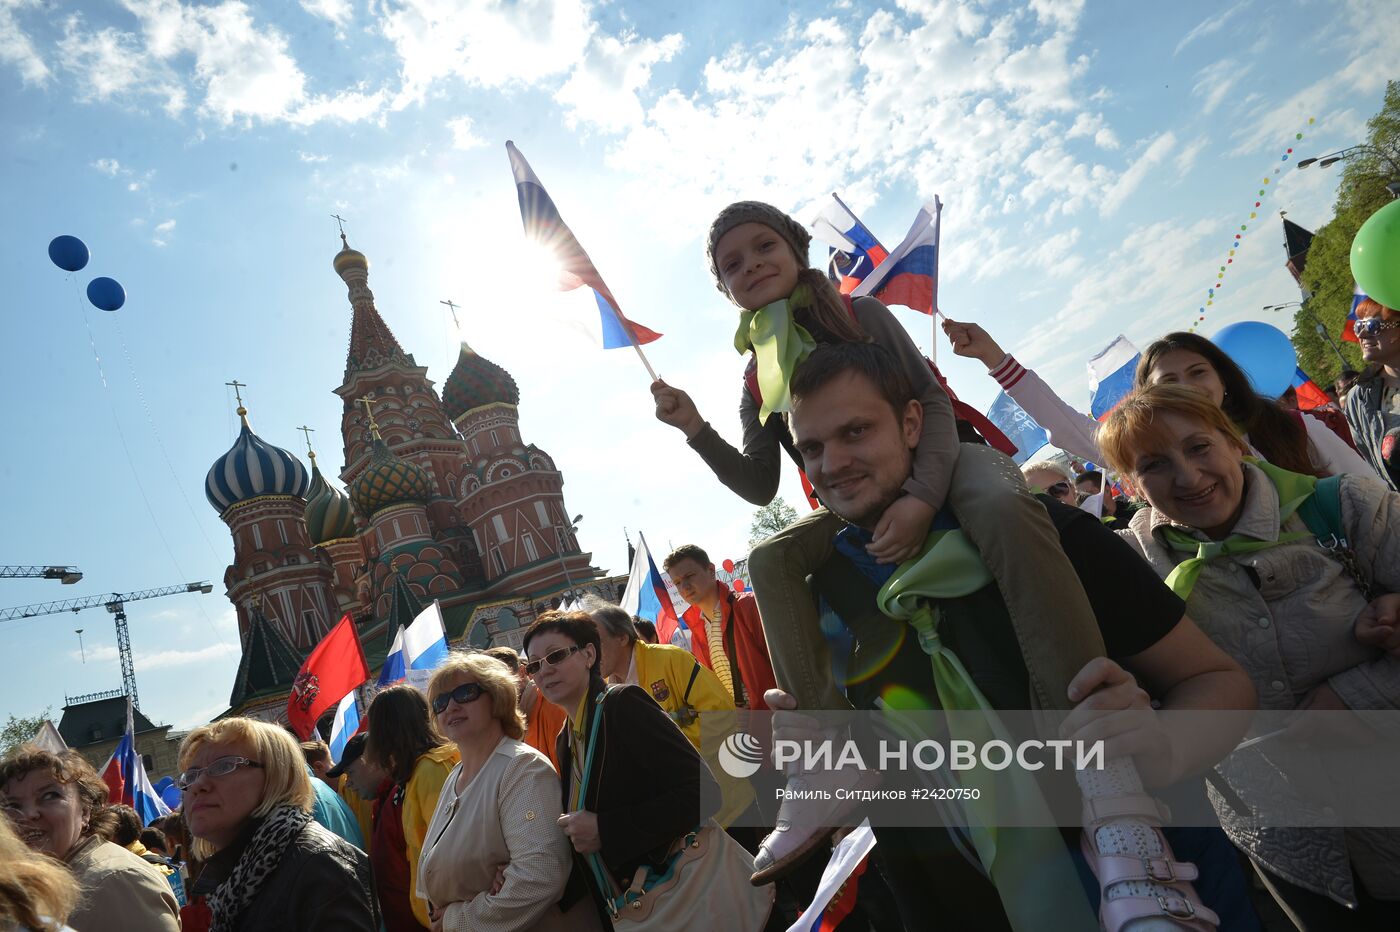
[(1228, 534)]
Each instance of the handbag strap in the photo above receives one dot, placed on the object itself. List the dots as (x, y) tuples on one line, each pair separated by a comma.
[(601, 875)]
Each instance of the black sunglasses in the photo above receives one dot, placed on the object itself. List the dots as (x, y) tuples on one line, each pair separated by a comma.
[(551, 659), (467, 692), (1058, 489), (1372, 326)]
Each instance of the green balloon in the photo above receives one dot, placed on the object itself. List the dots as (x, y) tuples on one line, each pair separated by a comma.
[(1375, 255)]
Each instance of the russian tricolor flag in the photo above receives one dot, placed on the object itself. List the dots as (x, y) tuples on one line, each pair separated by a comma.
[(646, 597), (346, 724), (126, 778), (417, 650), (855, 252), (1349, 327), (1310, 394), (1111, 376), (544, 226), (909, 275)]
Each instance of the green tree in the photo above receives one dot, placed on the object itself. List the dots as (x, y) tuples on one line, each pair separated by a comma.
[(769, 520), (16, 731), (1327, 276)]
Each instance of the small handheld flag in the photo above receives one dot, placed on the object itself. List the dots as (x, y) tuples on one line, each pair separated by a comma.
[(545, 226), (909, 274), (1111, 376), (855, 252), (334, 667), (646, 597), (126, 779)]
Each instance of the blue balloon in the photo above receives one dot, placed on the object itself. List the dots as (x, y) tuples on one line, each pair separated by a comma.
[(171, 796), (106, 294), (68, 253), (1264, 352)]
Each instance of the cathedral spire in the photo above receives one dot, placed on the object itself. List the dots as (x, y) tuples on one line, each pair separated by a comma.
[(372, 344)]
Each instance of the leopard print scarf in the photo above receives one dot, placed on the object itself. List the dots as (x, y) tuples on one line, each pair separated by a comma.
[(255, 865)]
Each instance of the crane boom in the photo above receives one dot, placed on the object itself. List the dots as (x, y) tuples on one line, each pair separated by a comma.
[(114, 602), (67, 574)]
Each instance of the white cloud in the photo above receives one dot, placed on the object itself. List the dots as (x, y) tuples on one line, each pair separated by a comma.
[(161, 659), (463, 136), (602, 89), (109, 167), (1210, 25), (1129, 181), (1215, 81), (163, 231), (165, 226), (1061, 14), (312, 157), (16, 48), (485, 43), (336, 11), (345, 107)]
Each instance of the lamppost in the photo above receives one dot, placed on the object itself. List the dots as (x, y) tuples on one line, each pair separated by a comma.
[(1351, 152), (573, 529), (1321, 328)]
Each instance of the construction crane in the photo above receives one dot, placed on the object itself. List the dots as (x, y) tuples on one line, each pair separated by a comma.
[(65, 574), (114, 602)]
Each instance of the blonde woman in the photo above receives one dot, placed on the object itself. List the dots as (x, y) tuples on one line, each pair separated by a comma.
[(499, 808), (36, 894), (269, 867), (58, 805)]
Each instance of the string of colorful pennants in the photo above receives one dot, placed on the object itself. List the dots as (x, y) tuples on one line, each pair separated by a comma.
[(1244, 228)]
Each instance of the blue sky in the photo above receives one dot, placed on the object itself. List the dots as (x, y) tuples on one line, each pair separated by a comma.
[(1095, 159)]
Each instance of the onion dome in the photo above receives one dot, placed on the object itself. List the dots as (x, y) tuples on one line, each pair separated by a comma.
[(253, 467), (477, 381), (328, 512), (350, 259), (388, 480)]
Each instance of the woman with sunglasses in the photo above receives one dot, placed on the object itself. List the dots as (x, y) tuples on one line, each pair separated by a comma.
[(1294, 441), (404, 742), (632, 784), (1373, 403), (268, 867), (1056, 480), (499, 806), (57, 805)]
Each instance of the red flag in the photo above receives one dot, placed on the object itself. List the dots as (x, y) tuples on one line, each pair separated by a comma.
[(336, 666)]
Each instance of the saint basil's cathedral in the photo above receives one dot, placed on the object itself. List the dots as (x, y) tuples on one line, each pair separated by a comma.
[(445, 501)]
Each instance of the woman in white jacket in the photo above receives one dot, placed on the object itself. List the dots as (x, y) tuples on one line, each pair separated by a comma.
[(1301, 444)]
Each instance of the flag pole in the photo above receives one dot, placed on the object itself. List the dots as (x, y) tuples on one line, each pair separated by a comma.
[(937, 255), (632, 337)]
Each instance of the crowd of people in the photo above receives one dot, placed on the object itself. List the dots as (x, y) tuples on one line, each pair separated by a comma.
[(1230, 554)]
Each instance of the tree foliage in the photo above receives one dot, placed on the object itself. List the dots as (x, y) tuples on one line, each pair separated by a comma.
[(770, 519), (1327, 276), (17, 730)]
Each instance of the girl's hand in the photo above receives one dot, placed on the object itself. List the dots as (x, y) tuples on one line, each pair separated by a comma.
[(1378, 625), (972, 341), (1112, 708), (500, 880), (674, 407), (582, 829), (901, 531)]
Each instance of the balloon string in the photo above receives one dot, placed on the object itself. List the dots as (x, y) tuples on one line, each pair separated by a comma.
[(126, 451), (160, 444)]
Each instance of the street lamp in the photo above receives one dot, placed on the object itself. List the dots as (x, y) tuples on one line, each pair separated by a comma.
[(1321, 329), (1350, 152), (559, 552)]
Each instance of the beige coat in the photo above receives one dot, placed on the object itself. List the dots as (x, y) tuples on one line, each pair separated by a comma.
[(120, 891), (1291, 633), (508, 814)]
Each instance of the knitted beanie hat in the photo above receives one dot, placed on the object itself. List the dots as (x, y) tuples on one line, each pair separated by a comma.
[(741, 212)]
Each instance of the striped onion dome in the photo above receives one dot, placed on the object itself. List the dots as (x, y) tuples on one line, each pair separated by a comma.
[(329, 515), (253, 467), (476, 381), (388, 480)]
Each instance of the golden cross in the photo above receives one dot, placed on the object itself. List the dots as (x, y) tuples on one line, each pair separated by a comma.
[(369, 403), (453, 308), (308, 431), (236, 385), (339, 222)]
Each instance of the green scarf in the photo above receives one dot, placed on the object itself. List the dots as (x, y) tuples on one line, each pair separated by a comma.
[(1293, 489), (779, 344), (1030, 867)]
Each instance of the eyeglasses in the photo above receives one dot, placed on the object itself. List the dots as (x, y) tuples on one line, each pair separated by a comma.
[(1372, 326), (220, 768), (467, 692), (1058, 490), (551, 659)]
